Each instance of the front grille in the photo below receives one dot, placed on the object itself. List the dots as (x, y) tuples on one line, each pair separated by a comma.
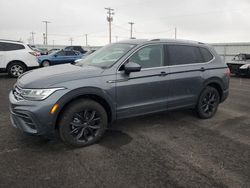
[(17, 93)]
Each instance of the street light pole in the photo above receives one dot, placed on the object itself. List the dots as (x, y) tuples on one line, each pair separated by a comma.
[(86, 39), (131, 29)]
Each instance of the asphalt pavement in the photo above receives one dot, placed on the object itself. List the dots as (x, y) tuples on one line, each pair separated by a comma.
[(170, 149)]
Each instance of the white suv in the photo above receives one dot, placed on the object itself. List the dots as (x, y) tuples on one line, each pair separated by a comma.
[(16, 57)]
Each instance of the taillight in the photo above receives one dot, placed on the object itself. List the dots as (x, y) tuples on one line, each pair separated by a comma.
[(227, 72), (35, 53)]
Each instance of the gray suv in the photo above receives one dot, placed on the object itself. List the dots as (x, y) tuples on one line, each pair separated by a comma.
[(121, 80)]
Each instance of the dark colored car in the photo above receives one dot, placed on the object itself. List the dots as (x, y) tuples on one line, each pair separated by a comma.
[(59, 57), (240, 65), (76, 48), (125, 79)]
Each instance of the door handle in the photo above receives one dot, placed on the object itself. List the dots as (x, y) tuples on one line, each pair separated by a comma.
[(202, 69), (163, 73)]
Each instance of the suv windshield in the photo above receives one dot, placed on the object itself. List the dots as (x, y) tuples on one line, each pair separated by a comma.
[(106, 56)]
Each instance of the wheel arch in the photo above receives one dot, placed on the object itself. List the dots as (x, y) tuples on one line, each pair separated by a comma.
[(19, 61), (95, 94), (215, 83)]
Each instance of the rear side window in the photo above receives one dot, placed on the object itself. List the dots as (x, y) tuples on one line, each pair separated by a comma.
[(181, 55), (207, 56), (10, 46), (70, 53), (1, 46)]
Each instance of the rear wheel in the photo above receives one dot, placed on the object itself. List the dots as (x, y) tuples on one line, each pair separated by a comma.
[(15, 69), (45, 63), (83, 122), (208, 103)]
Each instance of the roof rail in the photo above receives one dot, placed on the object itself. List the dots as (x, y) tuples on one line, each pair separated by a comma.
[(155, 40), (11, 40)]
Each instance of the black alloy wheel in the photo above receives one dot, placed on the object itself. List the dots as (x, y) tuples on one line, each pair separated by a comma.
[(208, 103), (83, 123)]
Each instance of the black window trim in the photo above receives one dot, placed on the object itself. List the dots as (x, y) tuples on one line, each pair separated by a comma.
[(166, 57)]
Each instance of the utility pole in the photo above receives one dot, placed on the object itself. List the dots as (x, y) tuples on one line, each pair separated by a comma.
[(33, 37), (71, 41), (44, 39), (110, 19), (86, 39), (175, 33), (46, 31), (131, 29)]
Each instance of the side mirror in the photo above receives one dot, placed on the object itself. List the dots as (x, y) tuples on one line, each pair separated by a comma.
[(132, 67), (55, 55)]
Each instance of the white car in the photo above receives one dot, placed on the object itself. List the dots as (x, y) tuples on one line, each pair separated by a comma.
[(16, 57)]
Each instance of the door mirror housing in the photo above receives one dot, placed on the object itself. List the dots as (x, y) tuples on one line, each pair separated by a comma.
[(132, 67)]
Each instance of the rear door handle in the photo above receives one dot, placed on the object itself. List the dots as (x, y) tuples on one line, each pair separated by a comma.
[(163, 73), (202, 69)]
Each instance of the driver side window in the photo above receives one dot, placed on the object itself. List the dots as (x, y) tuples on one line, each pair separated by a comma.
[(149, 56)]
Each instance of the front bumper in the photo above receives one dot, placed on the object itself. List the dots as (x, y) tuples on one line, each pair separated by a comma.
[(34, 117)]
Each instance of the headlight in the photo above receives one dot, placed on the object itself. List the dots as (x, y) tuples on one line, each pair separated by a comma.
[(38, 94)]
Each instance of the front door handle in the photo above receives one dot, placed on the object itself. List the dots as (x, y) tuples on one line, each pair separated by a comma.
[(163, 73)]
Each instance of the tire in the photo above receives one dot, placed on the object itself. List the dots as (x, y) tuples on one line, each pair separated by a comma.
[(45, 63), (15, 69), (208, 103), (83, 123)]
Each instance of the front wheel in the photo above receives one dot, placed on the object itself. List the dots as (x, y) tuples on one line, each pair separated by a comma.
[(83, 123), (208, 103)]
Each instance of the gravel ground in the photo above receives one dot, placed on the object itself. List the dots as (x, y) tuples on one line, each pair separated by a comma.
[(171, 149)]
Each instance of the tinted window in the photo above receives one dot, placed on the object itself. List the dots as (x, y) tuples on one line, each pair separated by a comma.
[(1, 46), (61, 53), (70, 53), (11, 46), (150, 56), (207, 56), (180, 55)]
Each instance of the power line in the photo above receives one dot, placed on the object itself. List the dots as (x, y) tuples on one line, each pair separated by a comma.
[(110, 19)]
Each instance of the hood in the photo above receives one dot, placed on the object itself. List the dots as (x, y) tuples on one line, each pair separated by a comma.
[(48, 76)]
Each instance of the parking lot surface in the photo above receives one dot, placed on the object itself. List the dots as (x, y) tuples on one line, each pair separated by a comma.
[(170, 149)]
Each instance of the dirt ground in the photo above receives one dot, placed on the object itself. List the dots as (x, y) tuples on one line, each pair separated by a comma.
[(171, 149)]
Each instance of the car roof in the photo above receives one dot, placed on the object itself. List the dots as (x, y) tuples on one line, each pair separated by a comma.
[(150, 41), (11, 41)]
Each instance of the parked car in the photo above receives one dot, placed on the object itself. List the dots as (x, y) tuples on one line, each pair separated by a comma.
[(81, 100), (53, 50), (240, 64), (39, 51), (16, 57), (85, 55), (59, 57), (76, 48)]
